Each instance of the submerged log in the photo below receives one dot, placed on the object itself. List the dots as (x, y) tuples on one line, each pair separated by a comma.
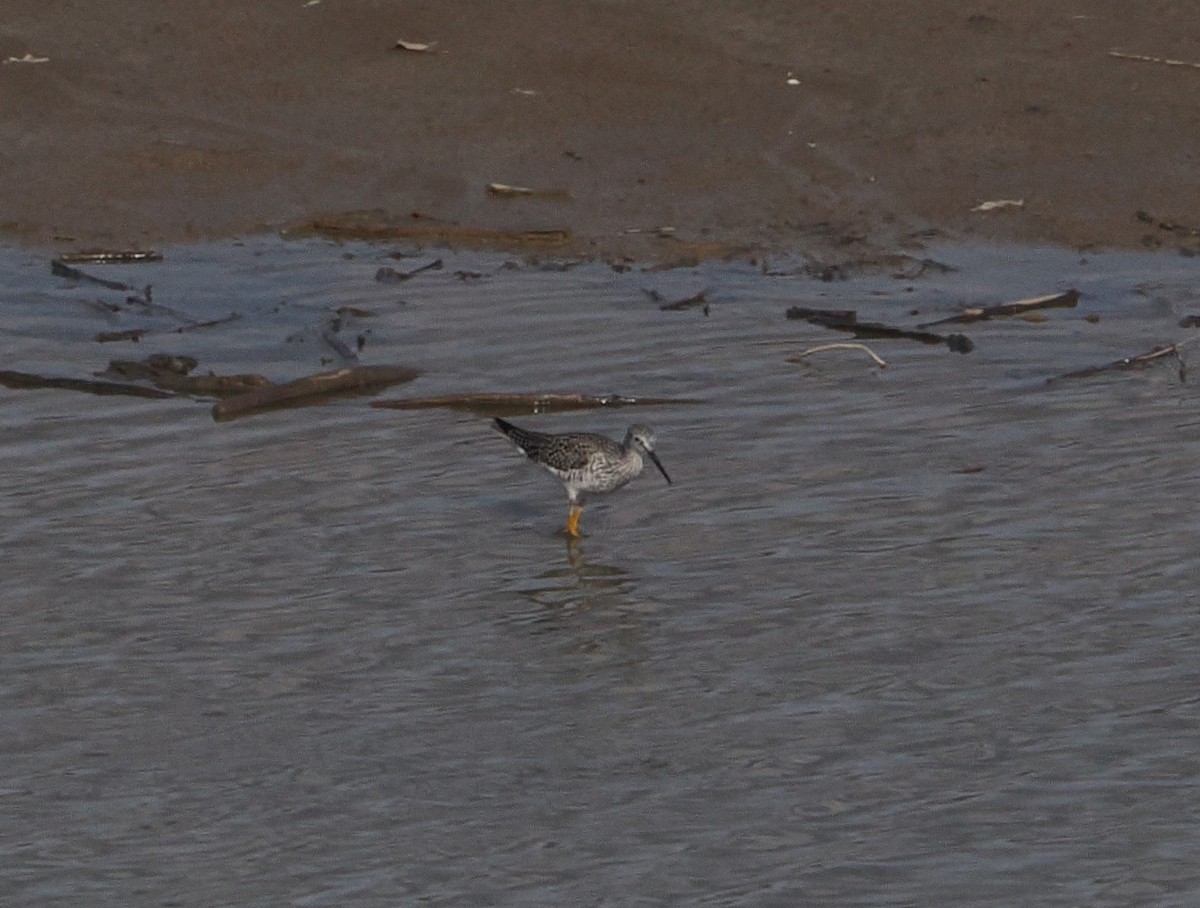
[(696, 299), (313, 389), (214, 385), (516, 404), (28, 380), (172, 373), (388, 275), (133, 334), (379, 227), (58, 269)]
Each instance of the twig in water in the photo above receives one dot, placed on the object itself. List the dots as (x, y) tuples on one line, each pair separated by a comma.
[(879, 361), (502, 404), (847, 320), (196, 326), (109, 257), (1134, 362), (1066, 299), (1142, 58)]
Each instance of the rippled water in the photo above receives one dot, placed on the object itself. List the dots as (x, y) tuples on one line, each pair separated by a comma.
[(919, 636)]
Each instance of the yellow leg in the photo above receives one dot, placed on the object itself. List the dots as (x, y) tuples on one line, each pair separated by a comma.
[(573, 514)]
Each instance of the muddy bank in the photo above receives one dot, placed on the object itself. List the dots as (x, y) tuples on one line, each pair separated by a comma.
[(681, 128)]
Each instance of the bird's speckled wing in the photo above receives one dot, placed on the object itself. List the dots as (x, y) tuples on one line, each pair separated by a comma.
[(563, 453)]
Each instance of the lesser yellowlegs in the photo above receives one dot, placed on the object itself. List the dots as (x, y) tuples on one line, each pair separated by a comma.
[(586, 463)]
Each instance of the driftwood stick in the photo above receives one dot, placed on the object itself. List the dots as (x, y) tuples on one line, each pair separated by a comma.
[(847, 320), (1140, 361), (381, 229), (1066, 299), (196, 326), (696, 299), (1142, 58), (839, 346), (109, 257)]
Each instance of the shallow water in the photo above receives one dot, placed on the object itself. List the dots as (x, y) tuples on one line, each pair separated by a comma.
[(919, 636)]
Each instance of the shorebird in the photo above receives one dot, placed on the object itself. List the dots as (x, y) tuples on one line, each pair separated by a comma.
[(584, 462)]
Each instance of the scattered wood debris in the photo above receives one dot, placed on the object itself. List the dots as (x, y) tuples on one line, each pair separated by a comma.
[(847, 320), (1185, 230), (1065, 300), (516, 404), (314, 389)]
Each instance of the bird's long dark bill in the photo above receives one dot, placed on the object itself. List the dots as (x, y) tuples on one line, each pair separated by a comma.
[(658, 464)]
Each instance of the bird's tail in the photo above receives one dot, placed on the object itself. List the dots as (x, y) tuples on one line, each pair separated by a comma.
[(529, 442)]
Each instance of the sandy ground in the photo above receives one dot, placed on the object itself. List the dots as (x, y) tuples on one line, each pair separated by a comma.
[(826, 124)]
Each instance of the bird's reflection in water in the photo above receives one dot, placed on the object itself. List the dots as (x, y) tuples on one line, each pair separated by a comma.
[(572, 588)]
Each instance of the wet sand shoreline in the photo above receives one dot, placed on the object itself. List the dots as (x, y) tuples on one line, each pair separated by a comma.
[(680, 130)]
